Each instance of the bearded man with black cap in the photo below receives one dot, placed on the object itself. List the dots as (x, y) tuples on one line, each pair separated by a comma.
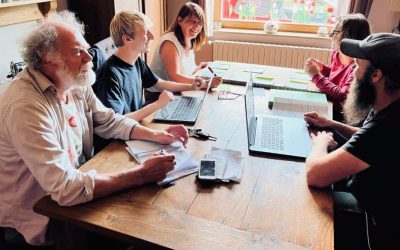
[(369, 160)]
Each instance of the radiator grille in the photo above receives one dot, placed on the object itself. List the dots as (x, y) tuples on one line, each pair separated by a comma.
[(267, 54)]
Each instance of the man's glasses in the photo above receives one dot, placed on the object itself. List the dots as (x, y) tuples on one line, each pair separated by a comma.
[(334, 32), (227, 95)]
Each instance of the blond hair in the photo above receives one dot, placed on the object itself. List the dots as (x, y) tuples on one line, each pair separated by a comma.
[(125, 23)]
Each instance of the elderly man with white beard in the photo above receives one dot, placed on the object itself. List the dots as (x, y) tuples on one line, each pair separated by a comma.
[(48, 116), (366, 213)]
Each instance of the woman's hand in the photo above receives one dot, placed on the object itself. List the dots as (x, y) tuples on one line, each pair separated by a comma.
[(199, 83), (312, 66), (312, 61), (216, 81), (317, 63), (201, 65)]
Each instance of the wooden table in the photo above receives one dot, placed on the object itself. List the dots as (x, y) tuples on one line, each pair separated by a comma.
[(272, 207)]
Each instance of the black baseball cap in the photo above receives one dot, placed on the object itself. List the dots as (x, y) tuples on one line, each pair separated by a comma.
[(381, 49)]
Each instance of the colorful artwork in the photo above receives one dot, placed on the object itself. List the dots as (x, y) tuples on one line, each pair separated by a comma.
[(317, 12)]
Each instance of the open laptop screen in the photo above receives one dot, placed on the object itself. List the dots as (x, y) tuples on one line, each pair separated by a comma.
[(208, 88), (250, 116)]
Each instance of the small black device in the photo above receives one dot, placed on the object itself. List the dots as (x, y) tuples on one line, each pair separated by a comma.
[(15, 68), (207, 170), (199, 134)]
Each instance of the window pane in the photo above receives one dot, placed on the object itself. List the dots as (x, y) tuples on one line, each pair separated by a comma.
[(315, 12)]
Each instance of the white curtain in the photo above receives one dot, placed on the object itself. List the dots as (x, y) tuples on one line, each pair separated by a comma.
[(209, 11), (343, 7)]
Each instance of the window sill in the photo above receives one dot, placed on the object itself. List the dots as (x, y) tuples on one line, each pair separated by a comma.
[(281, 37)]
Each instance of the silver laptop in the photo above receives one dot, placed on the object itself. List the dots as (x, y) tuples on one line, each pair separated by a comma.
[(182, 109), (275, 134)]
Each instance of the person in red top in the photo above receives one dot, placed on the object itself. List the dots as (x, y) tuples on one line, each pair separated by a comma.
[(334, 80)]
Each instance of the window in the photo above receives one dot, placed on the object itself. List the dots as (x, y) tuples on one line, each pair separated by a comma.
[(292, 15)]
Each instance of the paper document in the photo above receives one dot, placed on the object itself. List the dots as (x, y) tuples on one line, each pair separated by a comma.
[(234, 164), (254, 70), (297, 108), (185, 164), (218, 65), (319, 98)]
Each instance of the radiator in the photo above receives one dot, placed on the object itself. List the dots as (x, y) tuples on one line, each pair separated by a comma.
[(267, 54)]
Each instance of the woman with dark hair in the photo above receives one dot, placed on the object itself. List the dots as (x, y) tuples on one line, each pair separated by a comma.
[(334, 80), (174, 56)]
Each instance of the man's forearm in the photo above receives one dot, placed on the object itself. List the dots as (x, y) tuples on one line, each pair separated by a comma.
[(140, 132), (344, 130), (313, 164), (144, 112), (107, 184)]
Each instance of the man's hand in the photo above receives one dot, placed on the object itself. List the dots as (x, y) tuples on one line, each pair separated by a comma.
[(156, 168), (180, 133), (171, 134), (164, 98), (323, 139), (318, 120)]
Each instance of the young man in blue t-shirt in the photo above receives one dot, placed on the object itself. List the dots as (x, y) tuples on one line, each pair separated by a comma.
[(121, 78)]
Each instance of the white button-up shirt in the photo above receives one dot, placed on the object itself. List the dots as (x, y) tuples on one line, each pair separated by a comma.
[(33, 150)]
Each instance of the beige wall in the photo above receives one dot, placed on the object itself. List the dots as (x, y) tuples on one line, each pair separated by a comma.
[(382, 18), (173, 7), (11, 35)]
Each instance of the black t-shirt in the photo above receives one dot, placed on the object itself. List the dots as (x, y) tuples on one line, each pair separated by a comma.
[(377, 188), (97, 57), (119, 85)]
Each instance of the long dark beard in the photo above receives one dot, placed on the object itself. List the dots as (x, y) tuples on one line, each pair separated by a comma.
[(360, 99)]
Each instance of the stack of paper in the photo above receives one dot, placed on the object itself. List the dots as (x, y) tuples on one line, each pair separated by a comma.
[(295, 103), (185, 164), (233, 170)]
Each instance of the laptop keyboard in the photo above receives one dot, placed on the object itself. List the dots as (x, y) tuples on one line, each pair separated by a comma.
[(272, 133), (184, 110)]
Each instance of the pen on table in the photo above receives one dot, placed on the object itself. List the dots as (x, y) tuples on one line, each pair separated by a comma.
[(167, 184), (211, 70)]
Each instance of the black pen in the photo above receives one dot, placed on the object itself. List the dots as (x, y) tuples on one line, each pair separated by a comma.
[(168, 184), (212, 71)]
